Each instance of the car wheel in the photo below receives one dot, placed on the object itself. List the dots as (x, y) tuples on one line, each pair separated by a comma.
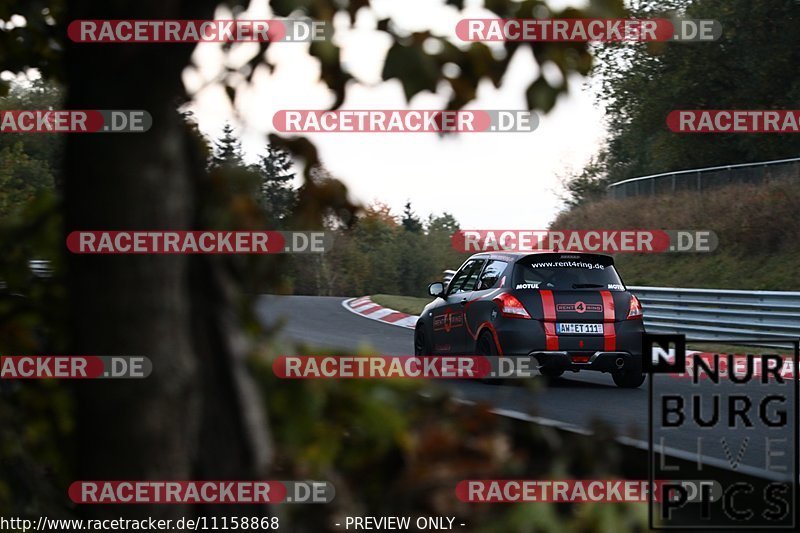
[(421, 347), (486, 347), (628, 379)]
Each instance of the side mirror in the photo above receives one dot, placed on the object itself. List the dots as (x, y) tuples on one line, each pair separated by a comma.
[(436, 289)]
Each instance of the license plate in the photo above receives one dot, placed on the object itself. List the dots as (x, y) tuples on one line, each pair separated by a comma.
[(579, 329)]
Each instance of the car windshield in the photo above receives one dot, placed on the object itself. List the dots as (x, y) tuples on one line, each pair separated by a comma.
[(559, 273)]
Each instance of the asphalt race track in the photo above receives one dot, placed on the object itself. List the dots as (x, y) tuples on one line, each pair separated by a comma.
[(576, 400)]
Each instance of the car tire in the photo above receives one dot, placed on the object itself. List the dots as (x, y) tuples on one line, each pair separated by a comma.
[(628, 379), (486, 347), (421, 347)]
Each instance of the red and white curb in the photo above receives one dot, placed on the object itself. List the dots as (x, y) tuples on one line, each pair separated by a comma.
[(365, 307)]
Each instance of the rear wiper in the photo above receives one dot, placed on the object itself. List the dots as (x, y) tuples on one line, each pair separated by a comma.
[(587, 286)]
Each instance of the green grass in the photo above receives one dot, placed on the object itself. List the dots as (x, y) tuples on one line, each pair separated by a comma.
[(759, 240), (405, 304), (723, 269)]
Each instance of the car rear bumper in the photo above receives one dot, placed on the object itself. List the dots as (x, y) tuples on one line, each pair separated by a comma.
[(524, 337), (599, 361)]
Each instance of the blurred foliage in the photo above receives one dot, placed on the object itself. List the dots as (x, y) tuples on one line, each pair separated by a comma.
[(385, 447), (29, 164), (641, 83), (20, 177), (418, 69), (400, 447), (33, 44), (37, 418), (754, 252), (418, 59)]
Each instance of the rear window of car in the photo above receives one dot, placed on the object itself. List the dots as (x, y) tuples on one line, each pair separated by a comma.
[(567, 273)]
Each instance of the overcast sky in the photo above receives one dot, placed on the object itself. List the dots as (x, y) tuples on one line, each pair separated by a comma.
[(486, 180)]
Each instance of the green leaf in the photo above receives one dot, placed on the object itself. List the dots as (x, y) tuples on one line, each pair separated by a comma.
[(415, 69), (540, 95)]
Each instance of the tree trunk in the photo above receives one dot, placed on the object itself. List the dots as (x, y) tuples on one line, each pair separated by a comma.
[(197, 415)]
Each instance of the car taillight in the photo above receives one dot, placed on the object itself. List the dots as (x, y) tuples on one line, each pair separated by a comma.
[(636, 308), (510, 306)]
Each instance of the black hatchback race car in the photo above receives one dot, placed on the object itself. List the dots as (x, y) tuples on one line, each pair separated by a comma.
[(570, 311)]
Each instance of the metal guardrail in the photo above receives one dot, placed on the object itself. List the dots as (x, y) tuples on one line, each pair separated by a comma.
[(41, 268), (717, 314), (707, 178), (713, 314)]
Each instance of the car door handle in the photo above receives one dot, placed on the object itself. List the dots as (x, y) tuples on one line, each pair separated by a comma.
[(463, 301)]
